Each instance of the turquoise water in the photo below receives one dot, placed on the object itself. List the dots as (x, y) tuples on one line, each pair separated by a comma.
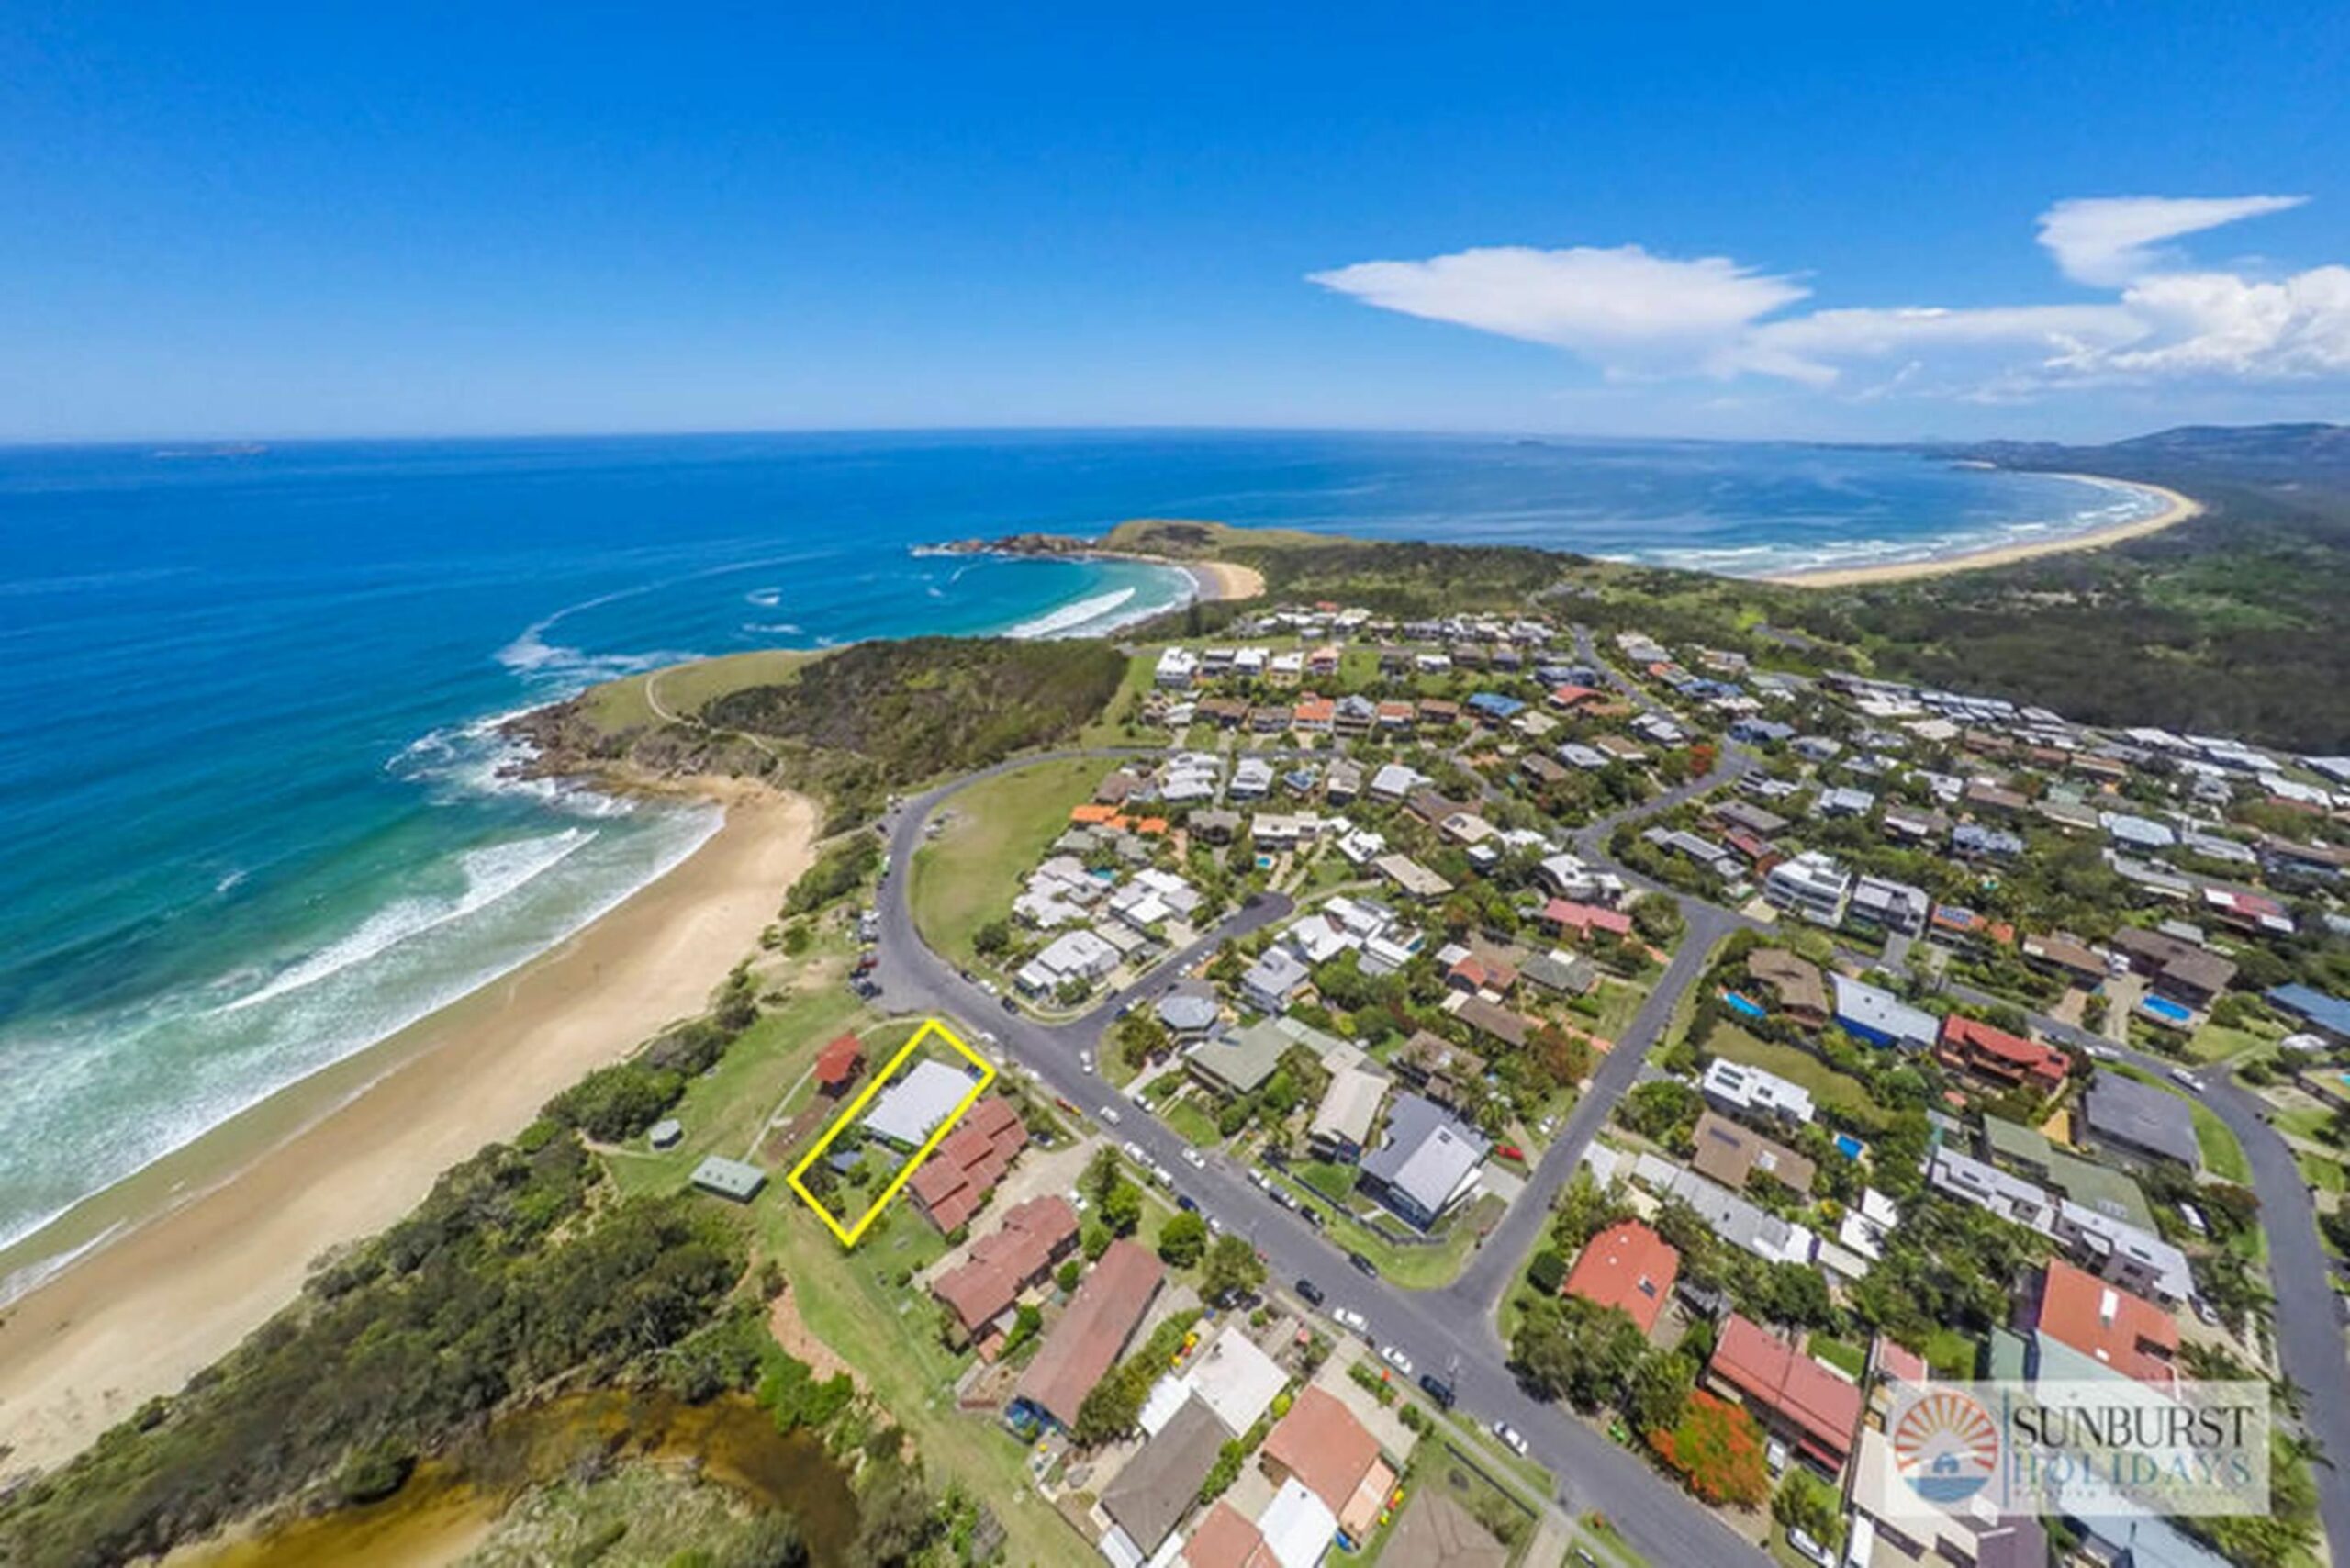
[(251, 811)]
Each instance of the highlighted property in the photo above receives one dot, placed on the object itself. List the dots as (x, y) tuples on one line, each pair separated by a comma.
[(907, 1112)]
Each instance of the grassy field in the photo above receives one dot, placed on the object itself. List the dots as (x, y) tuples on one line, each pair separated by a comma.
[(1107, 730), (2213, 1043), (682, 689), (969, 874), (1827, 1086), (1845, 1357)]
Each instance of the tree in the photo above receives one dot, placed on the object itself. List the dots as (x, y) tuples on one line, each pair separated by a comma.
[(1808, 1504), (1122, 1208), (1658, 1395), (1183, 1241), (1657, 918), (1101, 1174), (1664, 1111), (1232, 1270), (992, 937), (1717, 1451), (1548, 1271), (1564, 1059)]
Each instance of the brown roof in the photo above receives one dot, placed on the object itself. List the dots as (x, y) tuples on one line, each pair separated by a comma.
[(1794, 981), (1006, 1260), (1321, 1443), (1490, 1018), (1439, 1533), (2065, 953), (1085, 1343), (962, 1170), (1728, 1153), (1226, 1539)]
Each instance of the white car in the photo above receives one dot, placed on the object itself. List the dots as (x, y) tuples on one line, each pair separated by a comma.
[(1806, 1547), (1133, 1153), (1347, 1317), (1396, 1358), (1510, 1438), (1110, 1114), (1164, 1177), (1085, 1060), (2188, 1078), (1195, 1159)]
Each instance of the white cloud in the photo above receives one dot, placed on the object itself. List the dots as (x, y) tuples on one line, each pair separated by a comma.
[(2111, 240), (1636, 314), (1623, 306)]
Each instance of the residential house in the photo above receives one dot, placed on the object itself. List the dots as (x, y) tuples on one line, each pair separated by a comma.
[(1733, 1154), (1152, 1491), (838, 1065), (1751, 1092), (1426, 1165), (2186, 972), (949, 1187), (1728, 1215), (1348, 1111), (1439, 1070), (1412, 879), (1087, 1341), (1565, 917), (1327, 1452), (1628, 1267), (1880, 904), (1998, 1060), (1810, 886), (1016, 1257), (1240, 1061), (2083, 1327), (1275, 979), (1814, 1409), (1794, 984), (2138, 1123), (1867, 1012)]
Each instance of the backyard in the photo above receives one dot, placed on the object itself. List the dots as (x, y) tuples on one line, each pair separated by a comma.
[(1848, 1096)]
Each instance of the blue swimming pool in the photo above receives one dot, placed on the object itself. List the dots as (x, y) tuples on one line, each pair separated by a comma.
[(1850, 1147), (2168, 1011), (1742, 1006)]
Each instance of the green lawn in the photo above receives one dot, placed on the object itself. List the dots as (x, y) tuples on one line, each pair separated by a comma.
[(2213, 1043), (619, 705), (1106, 731), (1336, 1182), (1827, 1086), (2305, 1121), (2325, 1175), (1951, 1355), (971, 872), (1196, 1126), (1413, 1268), (1846, 1358)]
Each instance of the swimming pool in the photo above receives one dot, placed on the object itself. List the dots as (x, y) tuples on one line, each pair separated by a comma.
[(2170, 1011), (1743, 1007), (1850, 1147)]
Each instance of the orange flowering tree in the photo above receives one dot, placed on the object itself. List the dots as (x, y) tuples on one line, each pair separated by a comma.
[(1717, 1451)]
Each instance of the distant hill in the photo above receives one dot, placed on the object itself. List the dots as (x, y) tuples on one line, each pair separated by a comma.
[(2270, 452)]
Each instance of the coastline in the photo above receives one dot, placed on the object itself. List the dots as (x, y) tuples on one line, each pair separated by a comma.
[(2177, 509), (165, 1272), (1219, 579)]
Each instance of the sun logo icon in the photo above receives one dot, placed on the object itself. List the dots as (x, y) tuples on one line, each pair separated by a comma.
[(1946, 1446)]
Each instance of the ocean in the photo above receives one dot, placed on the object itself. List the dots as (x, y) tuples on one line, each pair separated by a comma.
[(251, 811)]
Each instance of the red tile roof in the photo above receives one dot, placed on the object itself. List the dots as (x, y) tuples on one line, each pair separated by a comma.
[(1006, 1261), (1821, 1407), (1568, 696), (961, 1172), (2106, 1324), (1626, 1266), (1973, 1043), (838, 1062), (1085, 1343), (1321, 1443), (1583, 918)]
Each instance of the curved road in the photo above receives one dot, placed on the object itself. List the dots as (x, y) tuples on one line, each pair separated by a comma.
[(1449, 1332)]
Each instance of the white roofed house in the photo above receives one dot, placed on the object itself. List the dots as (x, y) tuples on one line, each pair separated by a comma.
[(1739, 1090), (1348, 1111), (1177, 668), (1884, 905), (910, 1109), (1073, 955), (1427, 1164), (1273, 980)]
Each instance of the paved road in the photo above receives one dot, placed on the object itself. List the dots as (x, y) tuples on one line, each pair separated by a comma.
[(1436, 1329), (2308, 1322)]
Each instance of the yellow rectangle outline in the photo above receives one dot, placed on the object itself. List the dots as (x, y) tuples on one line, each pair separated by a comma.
[(848, 1238)]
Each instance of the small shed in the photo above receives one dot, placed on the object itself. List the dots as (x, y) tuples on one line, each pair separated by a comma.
[(729, 1179), (666, 1133)]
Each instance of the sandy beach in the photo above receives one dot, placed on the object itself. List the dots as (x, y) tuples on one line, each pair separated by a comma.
[(2177, 509), (206, 1244), (1222, 579)]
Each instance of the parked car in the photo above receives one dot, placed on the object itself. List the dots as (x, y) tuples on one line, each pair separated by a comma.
[(1188, 1203), (1396, 1358), (1805, 1546), (1511, 1152), (1310, 1291), (1363, 1265), (1010, 1005), (1085, 1060), (1435, 1388), (1195, 1159), (1510, 1438), (1312, 1215), (1347, 1317), (1110, 1114), (2187, 1079), (1160, 1174), (1132, 1151)]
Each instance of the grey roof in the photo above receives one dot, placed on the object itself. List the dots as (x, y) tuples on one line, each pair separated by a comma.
[(1427, 1153), (1160, 1484), (1243, 1058), (1558, 971), (1187, 1012), (1277, 973), (2143, 1117), (1884, 1011), (909, 1109)]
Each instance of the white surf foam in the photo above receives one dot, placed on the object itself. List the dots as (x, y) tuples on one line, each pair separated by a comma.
[(492, 872), (1071, 620)]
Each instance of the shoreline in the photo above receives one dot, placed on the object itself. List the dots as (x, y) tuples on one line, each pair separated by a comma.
[(2177, 509), (158, 1276), (1219, 580)]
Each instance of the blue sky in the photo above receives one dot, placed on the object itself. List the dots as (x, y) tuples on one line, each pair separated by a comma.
[(1791, 221)]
